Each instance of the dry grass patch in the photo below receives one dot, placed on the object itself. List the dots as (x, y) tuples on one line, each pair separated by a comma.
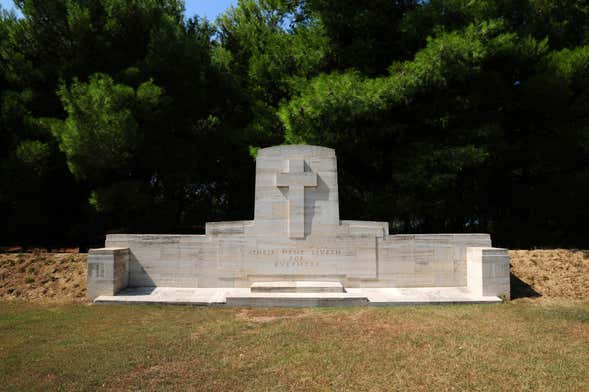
[(477, 347), (269, 315)]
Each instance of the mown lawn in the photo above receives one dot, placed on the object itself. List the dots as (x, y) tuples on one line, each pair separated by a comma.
[(517, 346)]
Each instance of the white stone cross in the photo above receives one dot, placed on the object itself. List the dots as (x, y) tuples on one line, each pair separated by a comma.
[(296, 180)]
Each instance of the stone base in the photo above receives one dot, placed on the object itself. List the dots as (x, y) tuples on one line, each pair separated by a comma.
[(244, 297), (297, 287)]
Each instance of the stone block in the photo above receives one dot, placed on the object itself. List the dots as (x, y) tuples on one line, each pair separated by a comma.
[(108, 271), (488, 271)]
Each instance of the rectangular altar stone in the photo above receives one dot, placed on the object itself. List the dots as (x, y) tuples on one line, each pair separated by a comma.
[(291, 286)]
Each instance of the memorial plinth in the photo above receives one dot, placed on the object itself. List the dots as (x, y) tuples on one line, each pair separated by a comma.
[(297, 236)]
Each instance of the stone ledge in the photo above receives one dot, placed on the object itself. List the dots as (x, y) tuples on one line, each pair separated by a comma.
[(297, 287)]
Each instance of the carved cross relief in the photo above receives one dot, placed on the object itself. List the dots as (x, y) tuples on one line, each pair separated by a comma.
[(296, 179)]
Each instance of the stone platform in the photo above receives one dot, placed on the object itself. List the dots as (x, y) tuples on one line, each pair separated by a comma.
[(244, 297)]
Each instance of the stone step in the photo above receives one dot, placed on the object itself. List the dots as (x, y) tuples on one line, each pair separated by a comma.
[(296, 299), (242, 296), (297, 287)]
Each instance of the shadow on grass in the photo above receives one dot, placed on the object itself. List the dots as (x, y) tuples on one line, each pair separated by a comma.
[(520, 289)]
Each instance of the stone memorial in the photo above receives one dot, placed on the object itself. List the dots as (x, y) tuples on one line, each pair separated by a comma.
[(297, 252)]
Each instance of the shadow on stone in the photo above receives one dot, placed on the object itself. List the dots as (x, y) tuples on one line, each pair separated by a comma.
[(130, 291), (520, 289)]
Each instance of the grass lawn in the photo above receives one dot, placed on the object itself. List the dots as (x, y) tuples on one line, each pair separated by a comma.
[(517, 346)]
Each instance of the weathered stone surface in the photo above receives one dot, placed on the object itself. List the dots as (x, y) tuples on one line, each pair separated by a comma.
[(297, 235), (488, 271), (107, 271), (354, 260)]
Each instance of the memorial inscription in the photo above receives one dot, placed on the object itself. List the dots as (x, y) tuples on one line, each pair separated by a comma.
[(298, 257), (290, 252)]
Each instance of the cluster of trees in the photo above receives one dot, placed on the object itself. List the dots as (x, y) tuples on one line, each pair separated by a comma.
[(447, 115)]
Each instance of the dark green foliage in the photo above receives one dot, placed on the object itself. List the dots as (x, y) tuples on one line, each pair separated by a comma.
[(365, 34), (269, 47), (475, 134), (447, 115)]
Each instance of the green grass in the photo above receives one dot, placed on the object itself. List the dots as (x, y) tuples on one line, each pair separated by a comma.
[(489, 347)]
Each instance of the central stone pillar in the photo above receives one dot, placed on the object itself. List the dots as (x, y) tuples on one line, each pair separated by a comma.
[(296, 194)]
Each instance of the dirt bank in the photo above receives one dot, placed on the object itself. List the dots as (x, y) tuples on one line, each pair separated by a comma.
[(52, 277), (550, 273)]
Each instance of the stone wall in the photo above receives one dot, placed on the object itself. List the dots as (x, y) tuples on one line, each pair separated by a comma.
[(361, 260)]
